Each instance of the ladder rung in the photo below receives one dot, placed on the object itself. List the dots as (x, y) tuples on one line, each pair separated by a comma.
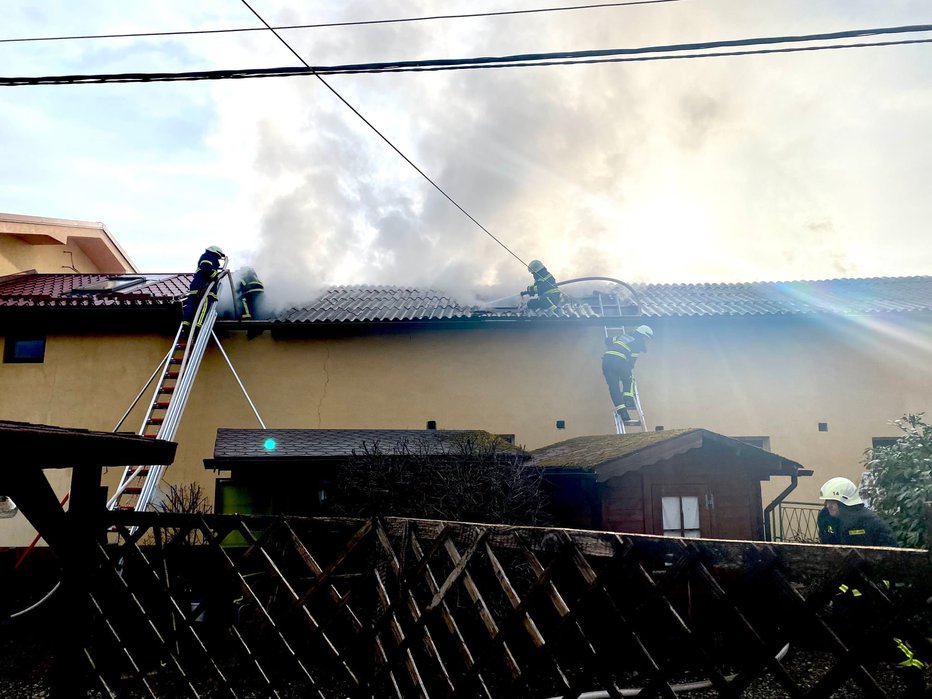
[(155, 420), (171, 374), (160, 405), (150, 436), (167, 389), (132, 490)]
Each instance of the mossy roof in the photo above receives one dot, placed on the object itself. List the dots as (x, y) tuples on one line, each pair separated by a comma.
[(612, 454)]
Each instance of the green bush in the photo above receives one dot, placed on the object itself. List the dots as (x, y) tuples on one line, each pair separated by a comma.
[(898, 481)]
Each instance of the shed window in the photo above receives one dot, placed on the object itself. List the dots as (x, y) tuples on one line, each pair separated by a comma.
[(681, 516), (26, 349)]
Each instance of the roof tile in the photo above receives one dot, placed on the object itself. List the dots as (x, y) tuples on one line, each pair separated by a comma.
[(368, 304)]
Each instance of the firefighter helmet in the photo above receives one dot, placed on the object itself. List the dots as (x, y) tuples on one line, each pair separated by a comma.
[(842, 490), (644, 330), (216, 250), (535, 266)]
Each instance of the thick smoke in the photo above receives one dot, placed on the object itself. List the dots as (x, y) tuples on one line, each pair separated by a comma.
[(674, 172)]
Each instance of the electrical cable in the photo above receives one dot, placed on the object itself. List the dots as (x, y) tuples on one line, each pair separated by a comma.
[(384, 138), (526, 61), (471, 15)]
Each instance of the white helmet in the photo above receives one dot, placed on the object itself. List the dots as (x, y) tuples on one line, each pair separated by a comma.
[(535, 266), (842, 490), (644, 330), (216, 250)]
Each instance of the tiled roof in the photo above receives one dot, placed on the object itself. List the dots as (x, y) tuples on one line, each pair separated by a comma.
[(377, 304), (250, 445), (60, 290), (843, 296)]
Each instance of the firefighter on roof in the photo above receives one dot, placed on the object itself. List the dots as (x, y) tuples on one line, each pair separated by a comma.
[(618, 367), (544, 288), (248, 293), (847, 521), (209, 267)]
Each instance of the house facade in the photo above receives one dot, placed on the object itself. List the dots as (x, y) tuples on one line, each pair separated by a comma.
[(54, 245), (810, 370)]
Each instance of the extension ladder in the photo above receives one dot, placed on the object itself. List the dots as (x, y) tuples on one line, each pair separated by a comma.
[(178, 369), (637, 410)]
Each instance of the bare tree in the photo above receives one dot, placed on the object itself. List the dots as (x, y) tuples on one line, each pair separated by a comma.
[(467, 476)]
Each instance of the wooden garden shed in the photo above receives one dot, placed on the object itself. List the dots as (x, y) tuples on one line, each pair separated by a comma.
[(684, 482)]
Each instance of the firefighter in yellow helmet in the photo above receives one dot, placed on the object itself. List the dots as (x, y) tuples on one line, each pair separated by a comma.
[(618, 362), (846, 520), (209, 266), (544, 288)]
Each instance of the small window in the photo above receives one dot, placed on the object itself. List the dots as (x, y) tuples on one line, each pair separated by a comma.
[(681, 516), (26, 349), (760, 442), (883, 441)]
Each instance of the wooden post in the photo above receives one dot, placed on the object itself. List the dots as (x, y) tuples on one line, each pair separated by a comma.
[(928, 507)]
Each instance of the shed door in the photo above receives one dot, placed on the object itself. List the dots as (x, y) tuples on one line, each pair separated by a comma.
[(682, 510)]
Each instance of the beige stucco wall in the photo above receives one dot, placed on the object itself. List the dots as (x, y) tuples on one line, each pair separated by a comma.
[(769, 377), (505, 380), (40, 244), (17, 255), (781, 377)]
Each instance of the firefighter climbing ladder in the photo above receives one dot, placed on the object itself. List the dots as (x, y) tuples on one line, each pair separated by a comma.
[(178, 370), (638, 411)]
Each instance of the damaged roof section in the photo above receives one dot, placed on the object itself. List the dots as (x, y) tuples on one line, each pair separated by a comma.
[(614, 454)]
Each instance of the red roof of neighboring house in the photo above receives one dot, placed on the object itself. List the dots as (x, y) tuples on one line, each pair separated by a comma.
[(65, 290)]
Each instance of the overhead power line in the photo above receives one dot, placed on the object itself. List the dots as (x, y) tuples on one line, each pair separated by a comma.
[(385, 138), (323, 25), (647, 53)]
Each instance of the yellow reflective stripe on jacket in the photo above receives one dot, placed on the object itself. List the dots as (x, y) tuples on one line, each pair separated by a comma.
[(856, 532), (617, 354), (853, 590), (911, 660)]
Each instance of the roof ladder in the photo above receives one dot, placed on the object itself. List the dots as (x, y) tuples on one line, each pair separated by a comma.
[(138, 484), (641, 420)]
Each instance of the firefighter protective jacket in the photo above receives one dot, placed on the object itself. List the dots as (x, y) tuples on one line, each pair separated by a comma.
[(545, 287), (855, 526)]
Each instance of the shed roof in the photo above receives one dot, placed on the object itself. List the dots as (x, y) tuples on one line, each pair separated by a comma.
[(235, 446), (614, 454)]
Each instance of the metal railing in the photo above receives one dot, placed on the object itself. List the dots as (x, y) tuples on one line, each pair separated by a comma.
[(795, 521)]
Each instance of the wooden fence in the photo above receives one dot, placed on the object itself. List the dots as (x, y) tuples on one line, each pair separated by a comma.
[(222, 605)]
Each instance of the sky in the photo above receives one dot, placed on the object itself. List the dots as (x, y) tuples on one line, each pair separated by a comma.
[(807, 165)]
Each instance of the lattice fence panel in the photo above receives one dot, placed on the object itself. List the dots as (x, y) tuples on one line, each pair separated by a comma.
[(295, 607)]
